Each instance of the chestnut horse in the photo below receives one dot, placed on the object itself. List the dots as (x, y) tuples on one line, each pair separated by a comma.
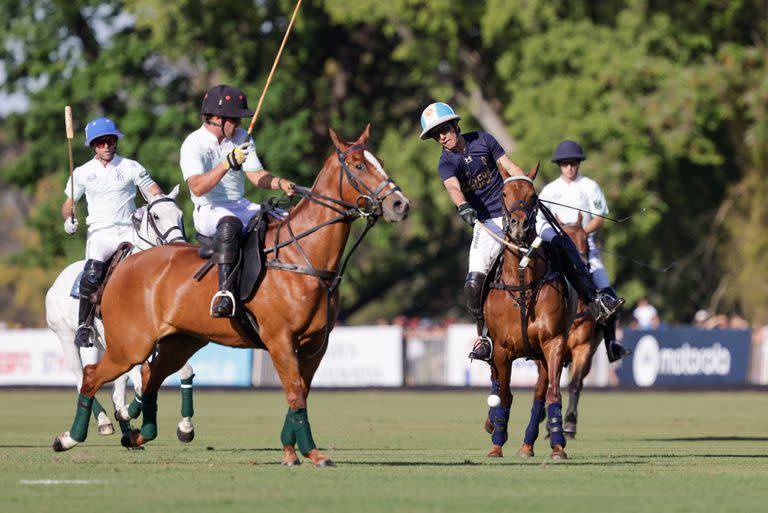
[(583, 338), (526, 314), (152, 302)]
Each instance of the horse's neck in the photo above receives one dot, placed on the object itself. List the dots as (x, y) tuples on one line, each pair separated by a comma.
[(510, 273), (324, 247), (138, 235)]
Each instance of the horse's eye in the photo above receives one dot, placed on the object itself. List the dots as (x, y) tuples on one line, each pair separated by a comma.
[(155, 217), (360, 166)]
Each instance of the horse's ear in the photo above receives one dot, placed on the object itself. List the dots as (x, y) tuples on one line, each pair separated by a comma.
[(174, 192), (534, 170), (364, 136), (146, 194), (336, 140), (503, 171), (578, 219), (558, 219)]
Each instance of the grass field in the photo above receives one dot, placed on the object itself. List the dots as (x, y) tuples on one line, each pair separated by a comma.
[(395, 451)]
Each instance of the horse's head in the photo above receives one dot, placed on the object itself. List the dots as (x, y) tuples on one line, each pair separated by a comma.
[(160, 221), (520, 204), (579, 237), (363, 182)]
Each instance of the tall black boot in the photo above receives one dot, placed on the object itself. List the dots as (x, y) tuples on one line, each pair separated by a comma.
[(93, 274), (613, 348), (600, 303), (473, 292), (223, 304)]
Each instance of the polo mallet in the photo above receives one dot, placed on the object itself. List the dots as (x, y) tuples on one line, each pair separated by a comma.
[(70, 136), (274, 66)]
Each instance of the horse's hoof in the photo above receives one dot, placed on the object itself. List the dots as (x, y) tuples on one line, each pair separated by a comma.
[(132, 440), (185, 437), (496, 452), (558, 453), (63, 442), (324, 463), (525, 451), (137, 448), (291, 463), (488, 426), (106, 429), (569, 435)]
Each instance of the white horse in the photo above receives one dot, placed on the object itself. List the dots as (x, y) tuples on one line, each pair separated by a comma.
[(158, 222)]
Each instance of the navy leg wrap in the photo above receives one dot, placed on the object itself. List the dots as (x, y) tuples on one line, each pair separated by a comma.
[(532, 431), (500, 421), (555, 423), (494, 391)]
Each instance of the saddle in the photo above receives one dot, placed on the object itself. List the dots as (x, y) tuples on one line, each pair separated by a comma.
[(122, 251)]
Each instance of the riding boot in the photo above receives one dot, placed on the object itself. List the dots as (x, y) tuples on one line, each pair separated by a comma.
[(613, 348), (473, 292), (601, 304), (223, 305), (93, 274)]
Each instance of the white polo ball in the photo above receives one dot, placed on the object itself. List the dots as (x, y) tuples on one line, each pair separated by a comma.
[(494, 400)]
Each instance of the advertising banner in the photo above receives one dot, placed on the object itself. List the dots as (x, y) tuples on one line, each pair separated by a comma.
[(685, 357), (32, 357), (220, 366)]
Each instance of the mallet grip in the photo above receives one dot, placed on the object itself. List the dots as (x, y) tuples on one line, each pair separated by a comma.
[(68, 122)]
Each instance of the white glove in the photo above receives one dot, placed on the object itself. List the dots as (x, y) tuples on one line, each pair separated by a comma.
[(70, 225)]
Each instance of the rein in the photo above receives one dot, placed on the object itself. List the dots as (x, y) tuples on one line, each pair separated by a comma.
[(162, 237), (370, 211)]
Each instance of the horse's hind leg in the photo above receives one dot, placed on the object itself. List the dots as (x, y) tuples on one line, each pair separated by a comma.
[(173, 351), (582, 361), (185, 431), (94, 376), (537, 413)]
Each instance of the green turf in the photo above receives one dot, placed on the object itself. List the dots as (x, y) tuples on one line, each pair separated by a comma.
[(409, 452)]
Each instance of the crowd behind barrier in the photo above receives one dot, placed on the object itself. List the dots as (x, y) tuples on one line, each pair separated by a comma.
[(715, 351)]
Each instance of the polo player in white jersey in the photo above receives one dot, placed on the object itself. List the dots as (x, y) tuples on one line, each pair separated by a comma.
[(571, 194), (109, 183), (215, 160)]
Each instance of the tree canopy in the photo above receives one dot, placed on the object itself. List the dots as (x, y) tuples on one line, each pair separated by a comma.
[(668, 99)]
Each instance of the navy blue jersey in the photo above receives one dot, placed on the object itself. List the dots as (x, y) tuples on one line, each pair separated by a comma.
[(477, 172)]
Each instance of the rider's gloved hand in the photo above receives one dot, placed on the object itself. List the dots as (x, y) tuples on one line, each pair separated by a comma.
[(70, 225), (467, 213), (237, 156)]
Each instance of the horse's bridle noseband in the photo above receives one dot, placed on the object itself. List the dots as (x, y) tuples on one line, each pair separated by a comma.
[(530, 212), (162, 237)]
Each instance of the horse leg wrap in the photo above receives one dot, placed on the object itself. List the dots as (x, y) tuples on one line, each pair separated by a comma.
[(296, 430), (79, 429), (134, 409), (149, 416), (96, 408), (532, 430), (500, 421), (187, 407), (495, 389), (555, 424)]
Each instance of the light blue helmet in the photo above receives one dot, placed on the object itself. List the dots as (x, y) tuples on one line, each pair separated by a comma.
[(100, 127), (436, 114)]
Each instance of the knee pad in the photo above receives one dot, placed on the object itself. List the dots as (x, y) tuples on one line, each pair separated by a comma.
[(226, 242), (473, 290), (93, 273)]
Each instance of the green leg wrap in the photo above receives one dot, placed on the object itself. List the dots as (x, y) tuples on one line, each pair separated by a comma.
[(79, 429), (187, 408), (134, 409), (149, 416), (296, 430), (96, 408)]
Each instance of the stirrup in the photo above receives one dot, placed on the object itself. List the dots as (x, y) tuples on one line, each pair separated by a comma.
[(482, 350), (227, 294), (602, 311), (88, 342)]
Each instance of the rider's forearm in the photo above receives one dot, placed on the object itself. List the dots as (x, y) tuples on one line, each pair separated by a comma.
[(204, 183)]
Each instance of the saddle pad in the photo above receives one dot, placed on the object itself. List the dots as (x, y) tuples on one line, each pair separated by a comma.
[(252, 256), (75, 291)]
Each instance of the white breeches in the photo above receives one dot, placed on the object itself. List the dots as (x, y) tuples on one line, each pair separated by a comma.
[(102, 242), (484, 248), (206, 217)]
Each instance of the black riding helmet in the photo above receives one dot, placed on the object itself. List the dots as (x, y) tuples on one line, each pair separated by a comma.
[(226, 102), (568, 150)]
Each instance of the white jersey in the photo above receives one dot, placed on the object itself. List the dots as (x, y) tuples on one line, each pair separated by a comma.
[(582, 193), (110, 190), (202, 151)]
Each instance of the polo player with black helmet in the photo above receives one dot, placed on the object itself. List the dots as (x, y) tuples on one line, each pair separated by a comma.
[(109, 183), (215, 160), (469, 167), (573, 193)]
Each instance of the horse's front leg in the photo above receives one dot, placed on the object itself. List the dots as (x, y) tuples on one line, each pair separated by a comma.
[(554, 401), (582, 361), (537, 412), (295, 377), (499, 415)]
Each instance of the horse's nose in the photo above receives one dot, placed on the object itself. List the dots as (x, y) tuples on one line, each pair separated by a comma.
[(401, 207)]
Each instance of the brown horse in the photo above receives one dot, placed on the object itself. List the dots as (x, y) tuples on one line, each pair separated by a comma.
[(153, 304), (526, 313), (583, 338)]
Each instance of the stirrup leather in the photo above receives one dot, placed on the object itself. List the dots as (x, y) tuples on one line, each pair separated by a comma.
[(224, 293)]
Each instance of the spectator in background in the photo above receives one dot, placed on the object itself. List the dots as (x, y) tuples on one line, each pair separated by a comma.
[(646, 315), (737, 322), (700, 319)]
